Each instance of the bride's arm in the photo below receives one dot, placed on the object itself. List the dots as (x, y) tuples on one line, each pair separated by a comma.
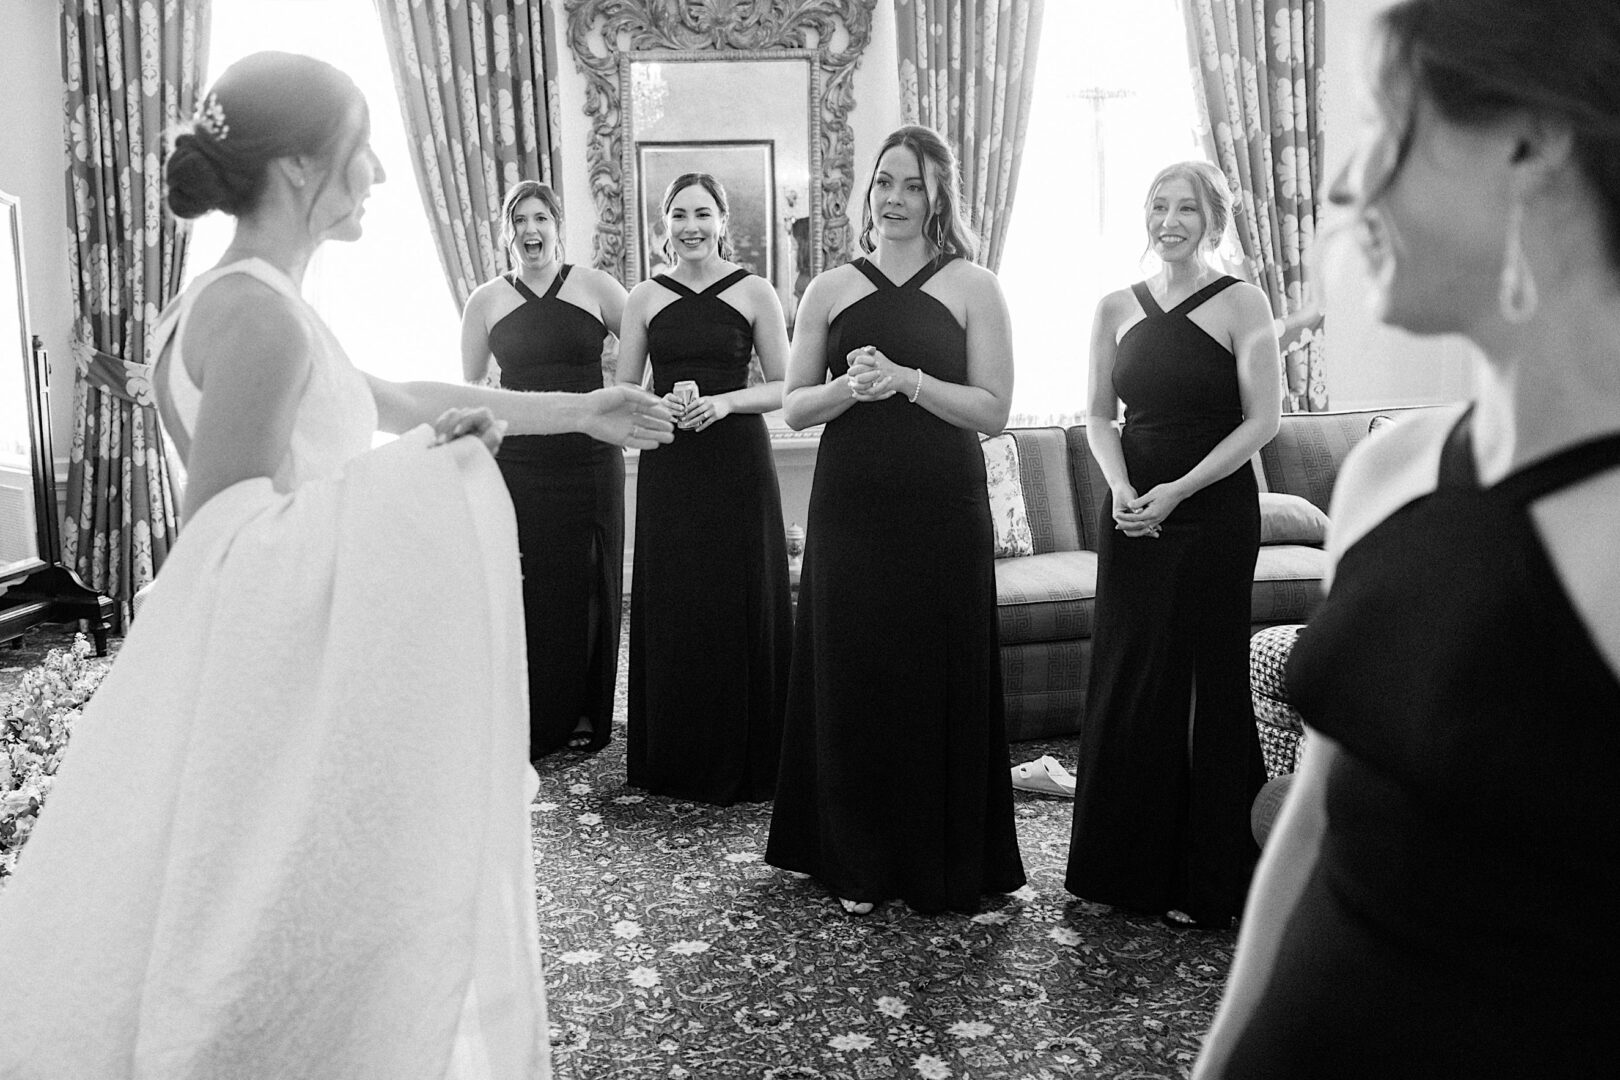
[(623, 415), (254, 353)]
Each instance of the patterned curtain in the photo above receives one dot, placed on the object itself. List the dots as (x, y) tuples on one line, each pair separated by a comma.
[(967, 70), (1258, 83), (132, 70), (477, 87)]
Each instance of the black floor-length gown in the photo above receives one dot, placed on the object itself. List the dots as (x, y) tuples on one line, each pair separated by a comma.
[(568, 494), (894, 781), (711, 617), (1161, 815), (1459, 920)]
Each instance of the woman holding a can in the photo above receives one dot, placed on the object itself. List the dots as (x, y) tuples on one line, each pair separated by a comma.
[(711, 621)]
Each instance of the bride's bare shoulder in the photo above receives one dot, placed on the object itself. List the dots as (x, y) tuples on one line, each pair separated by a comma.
[(238, 319)]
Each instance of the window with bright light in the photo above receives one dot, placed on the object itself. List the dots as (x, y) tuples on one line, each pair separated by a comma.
[(1113, 104), (384, 296)]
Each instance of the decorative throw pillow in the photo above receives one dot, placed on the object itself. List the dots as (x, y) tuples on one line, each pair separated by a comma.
[(1007, 513), (1289, 519)]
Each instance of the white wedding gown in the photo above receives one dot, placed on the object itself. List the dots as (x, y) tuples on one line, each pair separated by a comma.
[(290, 836)]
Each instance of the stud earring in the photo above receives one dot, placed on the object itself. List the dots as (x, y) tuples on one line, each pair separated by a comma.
[(1516, 295)]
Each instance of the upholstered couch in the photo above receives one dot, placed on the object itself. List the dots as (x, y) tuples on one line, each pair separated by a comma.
[(1044, 600)]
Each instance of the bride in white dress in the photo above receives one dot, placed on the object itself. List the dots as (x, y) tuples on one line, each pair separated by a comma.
[(291, 836)]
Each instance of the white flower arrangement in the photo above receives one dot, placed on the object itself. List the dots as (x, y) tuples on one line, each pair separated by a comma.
[(34, 730)]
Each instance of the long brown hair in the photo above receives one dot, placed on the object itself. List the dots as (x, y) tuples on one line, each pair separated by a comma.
[(945, 228)]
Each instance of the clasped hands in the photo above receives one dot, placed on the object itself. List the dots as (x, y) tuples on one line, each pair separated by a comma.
[(1144, 515), (873, 376), (697, 414)]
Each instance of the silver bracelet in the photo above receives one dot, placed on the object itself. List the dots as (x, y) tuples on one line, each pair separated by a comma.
[(917, 390)]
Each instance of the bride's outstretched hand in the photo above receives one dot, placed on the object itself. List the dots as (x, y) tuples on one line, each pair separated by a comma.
[(627, 416)]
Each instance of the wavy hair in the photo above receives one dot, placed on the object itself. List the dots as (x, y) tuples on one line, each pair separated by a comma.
[(945, 228), (528, 189)]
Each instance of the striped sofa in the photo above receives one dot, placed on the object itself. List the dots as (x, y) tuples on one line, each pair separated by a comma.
[(1044, 601)]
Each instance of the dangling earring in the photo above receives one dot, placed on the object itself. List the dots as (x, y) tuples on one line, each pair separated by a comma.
[(1516, 297)]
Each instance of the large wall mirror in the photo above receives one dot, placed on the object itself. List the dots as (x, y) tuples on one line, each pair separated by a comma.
[(19, 519), (34, 586), (757, 91), (764, 156)]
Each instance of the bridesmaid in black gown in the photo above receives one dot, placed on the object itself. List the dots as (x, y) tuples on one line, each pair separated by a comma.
[(895, 782), (545, 323), (1169, 757), (711, 618), (1438, 898)]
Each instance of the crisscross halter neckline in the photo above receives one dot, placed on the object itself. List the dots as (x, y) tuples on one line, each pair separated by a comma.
[(915, 281), (1152, 307), (713, 289), (557, 280)]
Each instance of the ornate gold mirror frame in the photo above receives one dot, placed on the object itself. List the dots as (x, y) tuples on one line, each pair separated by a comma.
[(605, 35)]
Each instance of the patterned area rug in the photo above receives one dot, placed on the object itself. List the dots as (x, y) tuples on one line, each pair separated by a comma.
[(673, 950)]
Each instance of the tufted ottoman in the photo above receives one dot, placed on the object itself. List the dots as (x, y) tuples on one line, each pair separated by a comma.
[(1279, 725)]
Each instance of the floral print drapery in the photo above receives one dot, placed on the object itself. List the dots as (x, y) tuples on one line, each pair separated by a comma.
[(477, 86), (131, 70), (1258, 76), (967, 70)]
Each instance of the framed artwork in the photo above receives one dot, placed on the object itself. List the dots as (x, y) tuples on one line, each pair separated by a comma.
[(746, 170)]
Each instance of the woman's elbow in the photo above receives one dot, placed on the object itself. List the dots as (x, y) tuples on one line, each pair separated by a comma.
[(795, 413), (996, 417)]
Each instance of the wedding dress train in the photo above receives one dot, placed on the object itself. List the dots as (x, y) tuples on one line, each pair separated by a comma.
[(290, 836)]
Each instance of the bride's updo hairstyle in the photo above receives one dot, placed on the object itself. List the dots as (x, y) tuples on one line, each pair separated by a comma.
[(265, 106)]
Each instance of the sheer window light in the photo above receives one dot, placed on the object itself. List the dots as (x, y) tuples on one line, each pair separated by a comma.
[(1113, 104), (384, 296)]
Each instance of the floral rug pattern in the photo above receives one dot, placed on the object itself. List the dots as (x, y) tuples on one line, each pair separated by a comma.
[(674, 951)]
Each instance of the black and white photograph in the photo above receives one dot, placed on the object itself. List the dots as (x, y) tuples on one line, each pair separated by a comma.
[(815, 540)]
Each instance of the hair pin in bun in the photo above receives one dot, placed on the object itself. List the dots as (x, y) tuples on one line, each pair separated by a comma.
[(211, 117)]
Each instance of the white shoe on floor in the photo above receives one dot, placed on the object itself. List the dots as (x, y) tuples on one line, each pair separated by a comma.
[(1044, 776)]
